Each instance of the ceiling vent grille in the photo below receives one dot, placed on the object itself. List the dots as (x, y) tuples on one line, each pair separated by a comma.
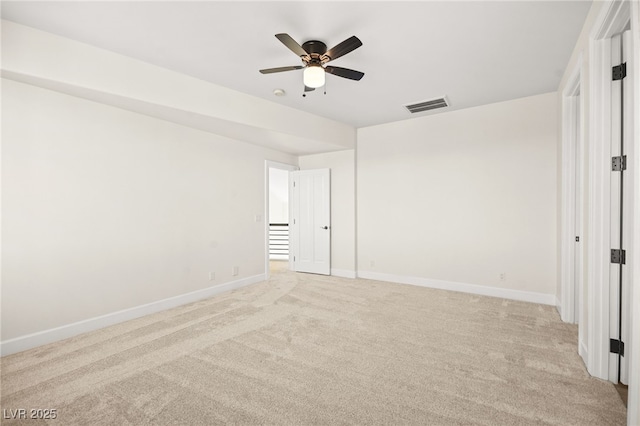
[(427, 105)]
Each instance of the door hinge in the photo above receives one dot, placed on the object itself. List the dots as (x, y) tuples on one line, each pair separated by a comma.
[(617, 256), (616, 346), (619, 163), (577, 239), (620, 71)]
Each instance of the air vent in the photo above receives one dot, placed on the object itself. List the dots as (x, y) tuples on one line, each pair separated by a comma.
[(427, 105)]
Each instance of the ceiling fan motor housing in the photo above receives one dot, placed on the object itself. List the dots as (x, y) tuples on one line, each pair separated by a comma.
[(314, 47)]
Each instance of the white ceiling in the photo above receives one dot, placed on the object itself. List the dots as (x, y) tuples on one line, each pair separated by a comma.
[(474, 53)]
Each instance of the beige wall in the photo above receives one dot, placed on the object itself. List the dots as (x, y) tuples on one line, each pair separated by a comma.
[(342, 165), (463, 197)]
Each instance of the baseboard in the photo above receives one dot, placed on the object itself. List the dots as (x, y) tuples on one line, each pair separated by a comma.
[(559, 307), (582, 350), (345, 273), (40, 338), (504, 293)]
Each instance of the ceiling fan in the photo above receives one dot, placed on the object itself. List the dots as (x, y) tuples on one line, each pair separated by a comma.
[(314, 55)]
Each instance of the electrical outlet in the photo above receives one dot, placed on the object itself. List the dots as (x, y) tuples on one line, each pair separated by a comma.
[(212, 276), (503, 276), (234, 271)]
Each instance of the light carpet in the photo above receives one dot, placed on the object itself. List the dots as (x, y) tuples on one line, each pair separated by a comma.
[(307, 349)]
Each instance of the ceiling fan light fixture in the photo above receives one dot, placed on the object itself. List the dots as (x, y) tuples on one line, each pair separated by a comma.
[(313, 76)]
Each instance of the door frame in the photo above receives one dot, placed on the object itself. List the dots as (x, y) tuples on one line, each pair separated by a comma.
[(268, 164), (613, 18), (611, 21), (633, 406), (572, 188), (621, 208)]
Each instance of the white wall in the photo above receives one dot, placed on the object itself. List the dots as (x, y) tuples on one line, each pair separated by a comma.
[(278, 196), (461, 198), (105, 209), (342, 165)]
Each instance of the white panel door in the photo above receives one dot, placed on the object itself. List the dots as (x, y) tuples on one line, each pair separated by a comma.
[(311, 224)]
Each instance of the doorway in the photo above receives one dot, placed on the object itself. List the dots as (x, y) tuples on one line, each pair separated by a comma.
[(277, 213), (298, 225), (571, 289), (578, 209)]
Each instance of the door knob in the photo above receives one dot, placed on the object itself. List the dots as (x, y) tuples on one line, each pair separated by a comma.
[(324, 227)]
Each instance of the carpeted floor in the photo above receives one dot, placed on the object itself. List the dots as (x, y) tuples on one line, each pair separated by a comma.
[(306, 349)]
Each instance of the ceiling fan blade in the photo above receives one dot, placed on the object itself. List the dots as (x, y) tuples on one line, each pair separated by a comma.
[(292, 44), (344, 72), (309, 89), (280, 69), (349, 45)]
